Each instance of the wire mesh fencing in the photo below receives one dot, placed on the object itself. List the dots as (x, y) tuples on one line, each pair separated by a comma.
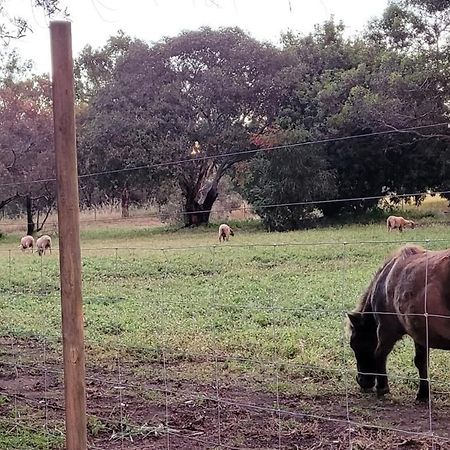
[(233, 346)]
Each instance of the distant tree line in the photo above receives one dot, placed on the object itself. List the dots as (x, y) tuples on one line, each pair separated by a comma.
[(210, 98)]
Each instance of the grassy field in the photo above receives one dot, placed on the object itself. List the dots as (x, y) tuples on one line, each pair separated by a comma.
[(263, 311)]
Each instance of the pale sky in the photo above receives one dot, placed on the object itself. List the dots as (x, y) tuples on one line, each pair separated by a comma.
[(93, 21)]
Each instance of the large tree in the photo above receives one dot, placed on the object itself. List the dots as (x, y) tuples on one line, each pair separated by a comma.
[(26, 148), (337, 87), (25, 119), (349, 87), (195, 97)]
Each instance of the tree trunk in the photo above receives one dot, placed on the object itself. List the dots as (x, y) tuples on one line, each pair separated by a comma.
[(125, 203), (195, 213), (40, 226), (192, 211), (209, 201), (30, 222), (199, 214)]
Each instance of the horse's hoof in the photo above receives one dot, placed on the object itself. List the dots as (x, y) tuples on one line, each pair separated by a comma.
[(366, 390), (382, 392), (421, 398)]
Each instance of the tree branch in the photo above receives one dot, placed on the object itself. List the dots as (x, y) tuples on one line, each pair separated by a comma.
[(39, 228), (14, 160), (417, 133), (3, 203)]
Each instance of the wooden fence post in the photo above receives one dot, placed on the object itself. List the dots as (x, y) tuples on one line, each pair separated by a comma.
[(69, 235)]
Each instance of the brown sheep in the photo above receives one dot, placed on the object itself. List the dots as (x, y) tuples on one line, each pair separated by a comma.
[(44, 243), (224, 232), (394, 222), (26, 243)]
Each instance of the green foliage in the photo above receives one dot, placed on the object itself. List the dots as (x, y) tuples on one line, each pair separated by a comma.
[(287, 176), (416, 24), (93, 69), (339, 87)]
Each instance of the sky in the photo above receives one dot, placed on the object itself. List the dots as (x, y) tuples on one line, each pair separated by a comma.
[(93, 21)]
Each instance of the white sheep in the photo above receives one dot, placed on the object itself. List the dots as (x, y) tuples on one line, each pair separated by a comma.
[(44, 243), (398, 222), (26, 243), (224, 232)]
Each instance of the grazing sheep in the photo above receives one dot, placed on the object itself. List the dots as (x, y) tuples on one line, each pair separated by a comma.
[(44, 243), (394, 222), (26, 243), (224, 232)]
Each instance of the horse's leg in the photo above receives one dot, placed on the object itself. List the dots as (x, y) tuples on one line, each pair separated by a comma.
[(421, 362), (385, 346), (382, 386)]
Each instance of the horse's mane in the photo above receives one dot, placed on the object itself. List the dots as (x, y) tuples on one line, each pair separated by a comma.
[(402, 252), (406, 251)]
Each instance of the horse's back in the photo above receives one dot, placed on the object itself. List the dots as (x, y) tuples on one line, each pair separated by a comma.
[(419, 286)]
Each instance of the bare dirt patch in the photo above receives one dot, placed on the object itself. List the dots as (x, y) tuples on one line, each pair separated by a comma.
[(151, 411)]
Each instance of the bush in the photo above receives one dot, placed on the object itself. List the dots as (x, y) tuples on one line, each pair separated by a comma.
[(287, 176)]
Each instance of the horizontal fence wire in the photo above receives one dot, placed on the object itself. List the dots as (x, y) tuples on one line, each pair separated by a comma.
[(267, 363), (247, 246), (202, 397), (168, 215)]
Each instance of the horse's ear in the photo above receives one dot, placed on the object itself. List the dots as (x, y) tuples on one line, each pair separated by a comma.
[(355, 318)]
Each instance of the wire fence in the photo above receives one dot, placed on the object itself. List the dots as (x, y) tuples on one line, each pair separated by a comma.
[(235, 346), (186, 352)]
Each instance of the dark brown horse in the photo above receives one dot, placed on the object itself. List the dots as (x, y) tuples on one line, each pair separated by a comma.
[(409, 294)]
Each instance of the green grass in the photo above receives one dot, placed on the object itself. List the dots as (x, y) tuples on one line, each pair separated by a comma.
[(261, 295), (23, 438), (271, 306)]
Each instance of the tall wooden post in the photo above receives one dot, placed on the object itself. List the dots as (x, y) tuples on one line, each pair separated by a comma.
[(69, 235)]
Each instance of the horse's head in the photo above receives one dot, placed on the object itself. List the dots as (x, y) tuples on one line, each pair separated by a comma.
[(231, 232), (412, 224), (364, 341)]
